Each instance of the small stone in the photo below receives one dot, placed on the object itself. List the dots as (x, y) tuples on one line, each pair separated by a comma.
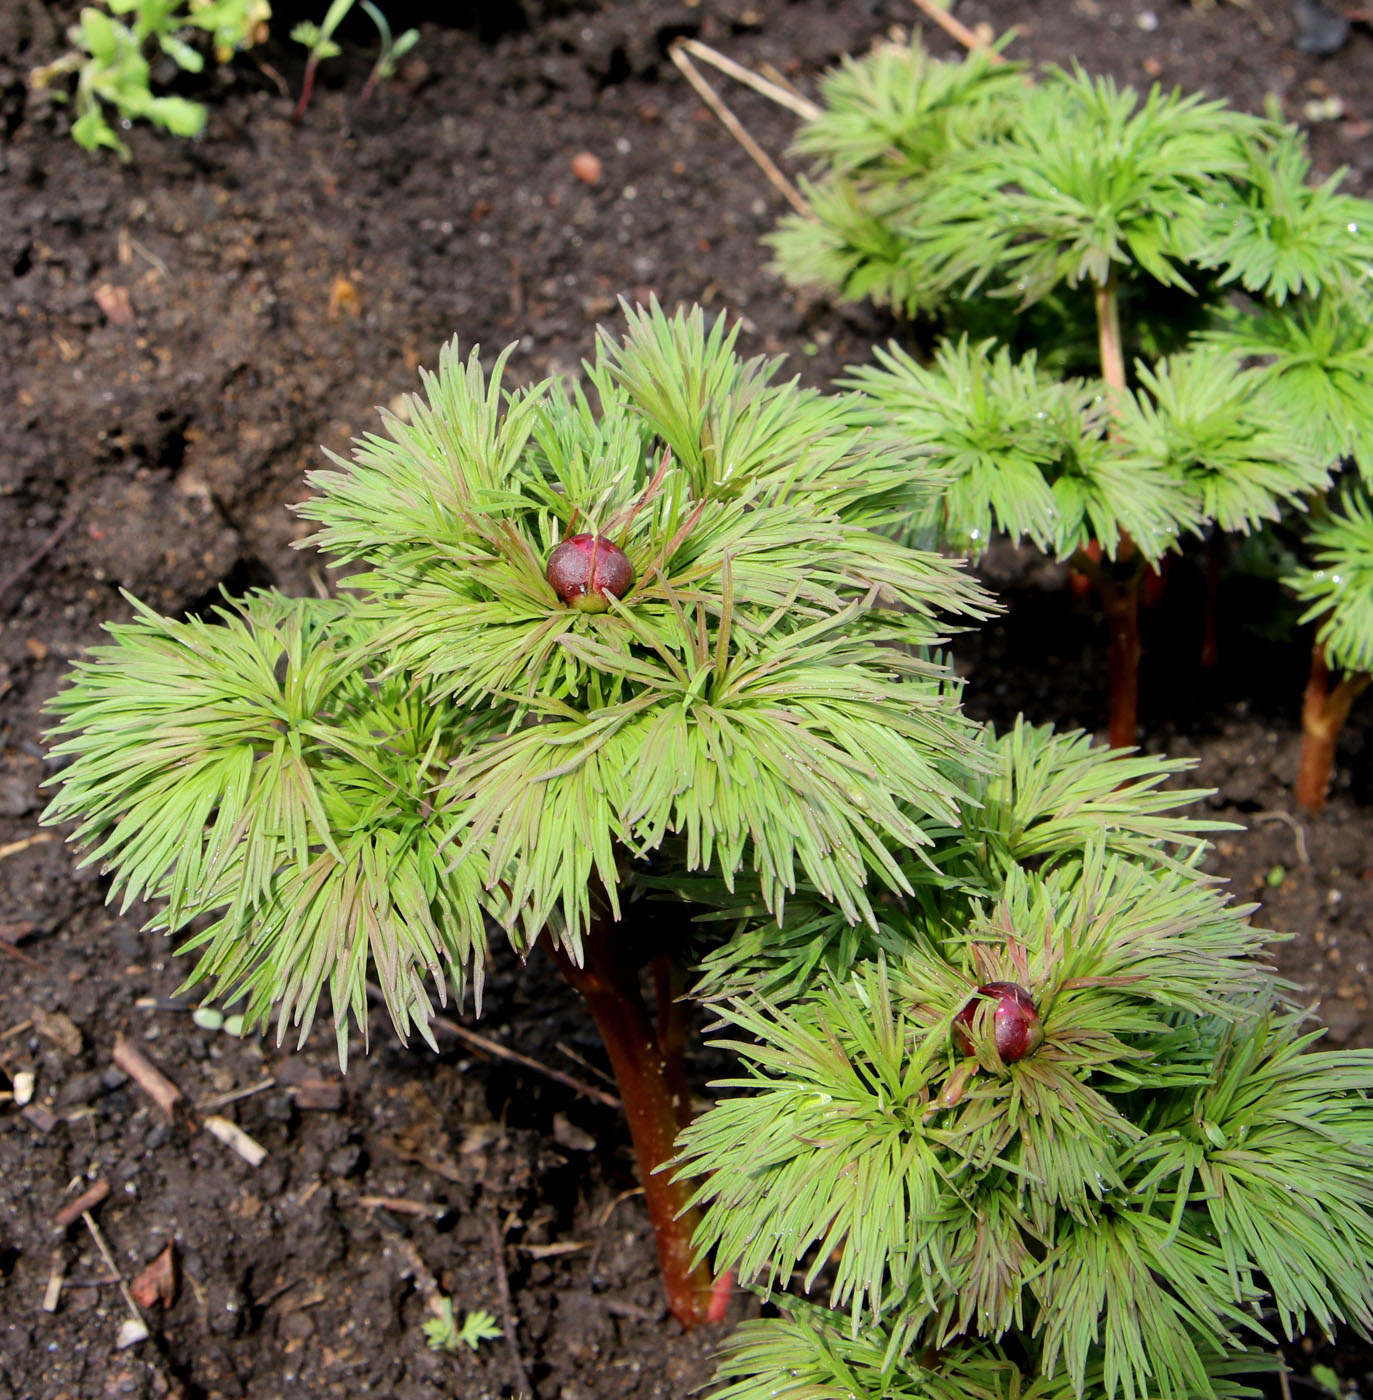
[(587, 168), (17, 797), (345, 1161), (297, 1324), (567, 1134)]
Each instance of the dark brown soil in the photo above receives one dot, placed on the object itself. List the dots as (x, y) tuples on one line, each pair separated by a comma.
[(280, 282)]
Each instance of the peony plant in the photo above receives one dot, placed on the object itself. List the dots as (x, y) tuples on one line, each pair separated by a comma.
[(1131, 318), (637, 674), (594, 638), (1049, 1128)]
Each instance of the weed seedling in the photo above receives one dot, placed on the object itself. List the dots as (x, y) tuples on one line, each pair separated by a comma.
[(392, 49), (110, 60), (443, 1333), (319, 40)]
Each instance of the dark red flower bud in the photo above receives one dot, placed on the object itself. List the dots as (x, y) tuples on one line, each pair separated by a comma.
[(1016, 1026), (587, 570)]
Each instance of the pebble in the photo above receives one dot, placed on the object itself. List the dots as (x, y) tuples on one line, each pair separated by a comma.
[(17, 797), (587, 167)]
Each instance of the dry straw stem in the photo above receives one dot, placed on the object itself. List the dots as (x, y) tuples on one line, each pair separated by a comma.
[(152, 1081), (954, 28), (734, 126), (784, 95)]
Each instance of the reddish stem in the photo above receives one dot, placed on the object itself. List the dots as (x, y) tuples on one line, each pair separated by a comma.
[(307, 88), (674, 1015), (1324, 711), (1119, 591), (653, 1089), (1120, 602)]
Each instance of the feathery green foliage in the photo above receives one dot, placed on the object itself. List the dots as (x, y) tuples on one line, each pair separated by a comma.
[(1338, 588), (1133, 1209), (364, 782), (1071, 213)]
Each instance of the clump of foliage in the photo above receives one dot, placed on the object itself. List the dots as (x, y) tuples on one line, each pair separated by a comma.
[(1133, 319), (1138, 1200), (316, 790), (111, 61), (1020, 1105)]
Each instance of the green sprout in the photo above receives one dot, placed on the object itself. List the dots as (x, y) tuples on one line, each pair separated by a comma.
[(319, 40), (112, 68), (391, 52), (443, 1333)]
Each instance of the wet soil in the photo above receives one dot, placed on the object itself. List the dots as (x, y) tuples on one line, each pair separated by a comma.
[(178, 338)]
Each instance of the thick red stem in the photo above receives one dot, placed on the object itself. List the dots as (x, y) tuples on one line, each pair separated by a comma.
[(656, 1104), (1121, 604), (1119, 593), (1324, 711)]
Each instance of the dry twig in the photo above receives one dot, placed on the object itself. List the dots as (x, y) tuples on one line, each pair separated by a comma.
[(127, 1336), (956, 29), (152, 1081), (86, 1201), (494, 1047), (782, 94), (222, 1100), (735, 127), (507, 1308), (401, 1205), (231, 1135), (37, 556), (12, 848)]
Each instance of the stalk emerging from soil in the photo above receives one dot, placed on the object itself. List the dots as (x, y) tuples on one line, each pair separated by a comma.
[(647, 1060), (1325, 708), (1118, 588)]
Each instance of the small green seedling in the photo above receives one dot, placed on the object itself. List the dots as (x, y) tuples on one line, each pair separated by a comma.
[(319, 40), (443, 1333), (391, 51), (110, 60), (210, 1018)]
